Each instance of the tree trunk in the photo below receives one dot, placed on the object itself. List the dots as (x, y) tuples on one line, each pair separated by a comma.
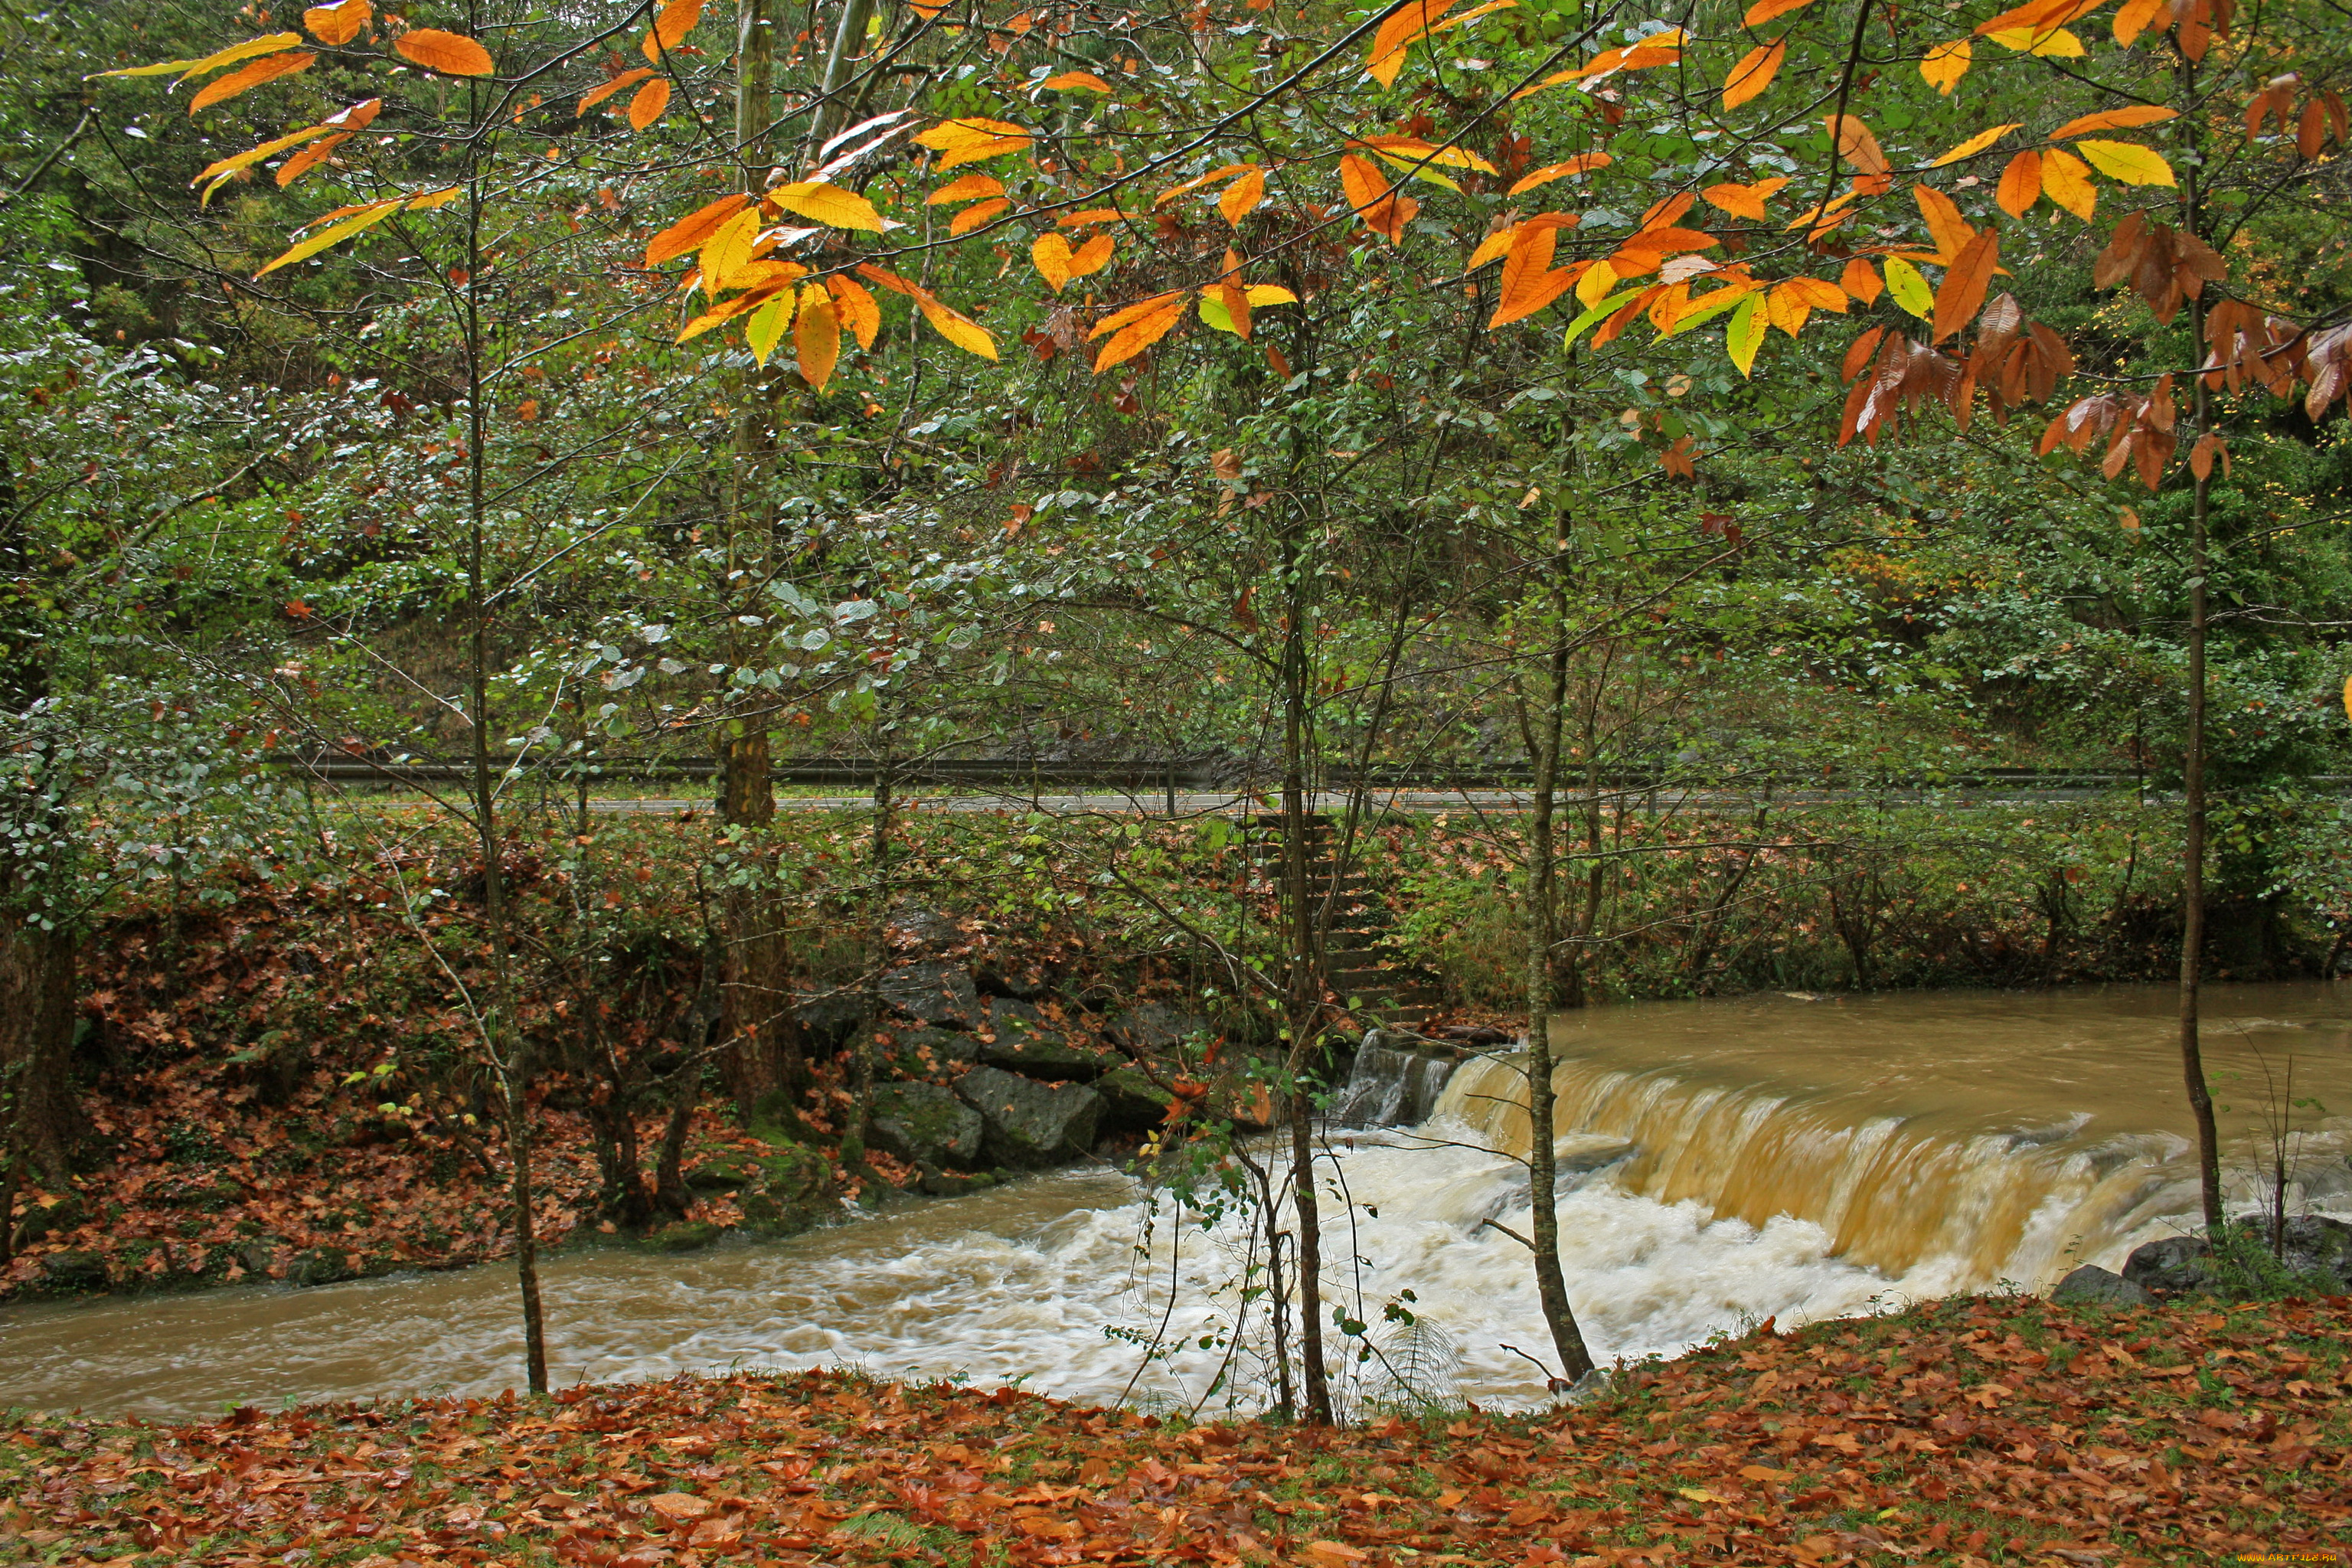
[(763, 1052), (1543, 1172), (40, 1119), (2192, 762)]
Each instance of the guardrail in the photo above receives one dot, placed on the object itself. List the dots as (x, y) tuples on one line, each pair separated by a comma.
[(1198, 776)]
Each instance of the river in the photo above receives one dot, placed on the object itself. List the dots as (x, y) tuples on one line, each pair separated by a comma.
[(1765, 1157)]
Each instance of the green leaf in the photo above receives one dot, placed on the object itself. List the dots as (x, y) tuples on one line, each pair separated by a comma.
[(1598, 314), (1909, 287), (1744, 336)]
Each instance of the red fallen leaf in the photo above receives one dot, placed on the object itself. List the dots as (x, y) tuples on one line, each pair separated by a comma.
[(679, 1505), (724, 1530)]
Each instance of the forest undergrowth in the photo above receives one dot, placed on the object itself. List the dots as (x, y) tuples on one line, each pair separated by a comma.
[(1970, 1431)]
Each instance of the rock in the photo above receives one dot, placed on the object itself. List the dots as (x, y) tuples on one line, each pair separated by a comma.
[(1023, 985), (686, 1236), (912, 926), (830, 1016), (1130, 1099), (73, 1271), (2316, 1254), (2093, 1283), (1031, 1123), (941, 1184), (2175, 1266), (933, 992), (918, 1051), (724, 1174), (256, 1256), (1018, 1037), (323, 1266), (925, 1125), (1154, 1026)]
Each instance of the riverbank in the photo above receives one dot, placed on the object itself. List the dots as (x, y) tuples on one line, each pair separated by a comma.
[(1976, 1430)]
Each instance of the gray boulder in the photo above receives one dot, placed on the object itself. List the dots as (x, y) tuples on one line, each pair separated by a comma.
[(1132, 1101), (2316, 1253), (1154, 1026), (911, 925), (830, 1015), (933, 992), (2093, 1283), (1018, 1037), (1030, 1124), (918, 1051), (76, 1270), (925, 1125)]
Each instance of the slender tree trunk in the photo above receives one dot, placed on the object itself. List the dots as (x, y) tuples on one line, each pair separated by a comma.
[(762, 1051), (2192, 762), (509, 1054), (1543, 1172), (832, 111)]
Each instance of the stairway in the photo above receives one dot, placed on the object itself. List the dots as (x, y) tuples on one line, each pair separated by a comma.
[(1366, 979)]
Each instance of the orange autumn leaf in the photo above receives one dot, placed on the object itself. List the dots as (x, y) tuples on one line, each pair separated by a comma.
[(648, 102), (2021, 183), (338, 24), (451, 54), (252, 75), (1754, 72)]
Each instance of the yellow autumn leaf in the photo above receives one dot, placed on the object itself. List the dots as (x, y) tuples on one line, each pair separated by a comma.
[(371, 215), (2056, 43), (728, 250), (1050, 254), (2066, 179), (960, 330), (218, 61), (822, 202), (1946, 64), (1243, 197), (2127, 162), (1976, 145), (855, 307)]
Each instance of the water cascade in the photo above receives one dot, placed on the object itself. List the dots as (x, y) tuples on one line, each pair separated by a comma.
[(1980, 1152), (1391, 1086)]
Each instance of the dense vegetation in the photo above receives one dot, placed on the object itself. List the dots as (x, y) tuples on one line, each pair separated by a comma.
[(444, 388)]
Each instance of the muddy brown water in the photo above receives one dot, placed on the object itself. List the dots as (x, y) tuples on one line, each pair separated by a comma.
[(1745, 1158)]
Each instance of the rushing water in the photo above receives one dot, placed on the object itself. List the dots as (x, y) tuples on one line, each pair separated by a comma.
[(1734, 1161)]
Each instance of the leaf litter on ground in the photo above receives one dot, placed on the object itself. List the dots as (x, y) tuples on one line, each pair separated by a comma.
[(1973, 1431)]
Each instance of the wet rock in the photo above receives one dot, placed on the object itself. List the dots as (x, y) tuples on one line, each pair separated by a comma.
[(323, 1266), (925, 1125), (2093, 1283), (2175, 1266), (1132, 1101), (2315, 1254), (1022, 985), (830, 1016), (1019, 1038), (724, 1174), (932, 991), (913, 926), (256, 1256), (1031, 1123), (1153, 1027), (686, 1236), (941, 1184), (73, 1271), (915, 1050)]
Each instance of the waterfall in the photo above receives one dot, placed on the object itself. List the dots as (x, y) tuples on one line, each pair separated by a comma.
[(1397, 1082), (1934, 1210)]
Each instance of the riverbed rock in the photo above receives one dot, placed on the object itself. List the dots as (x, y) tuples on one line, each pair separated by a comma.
[(932, 991), (918, 1051), (1153, 1027), (1031, 1123), (2091, 1283), (69, 1272), (686, 1236), (1132, 1101), (51, 1214), (724, 1174), (2316, 1253), (323, 1266), (1019, 1038), (925, 1125), (941, 1184)]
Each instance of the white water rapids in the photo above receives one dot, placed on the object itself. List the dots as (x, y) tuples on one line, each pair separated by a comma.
[(1024, 1283)]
